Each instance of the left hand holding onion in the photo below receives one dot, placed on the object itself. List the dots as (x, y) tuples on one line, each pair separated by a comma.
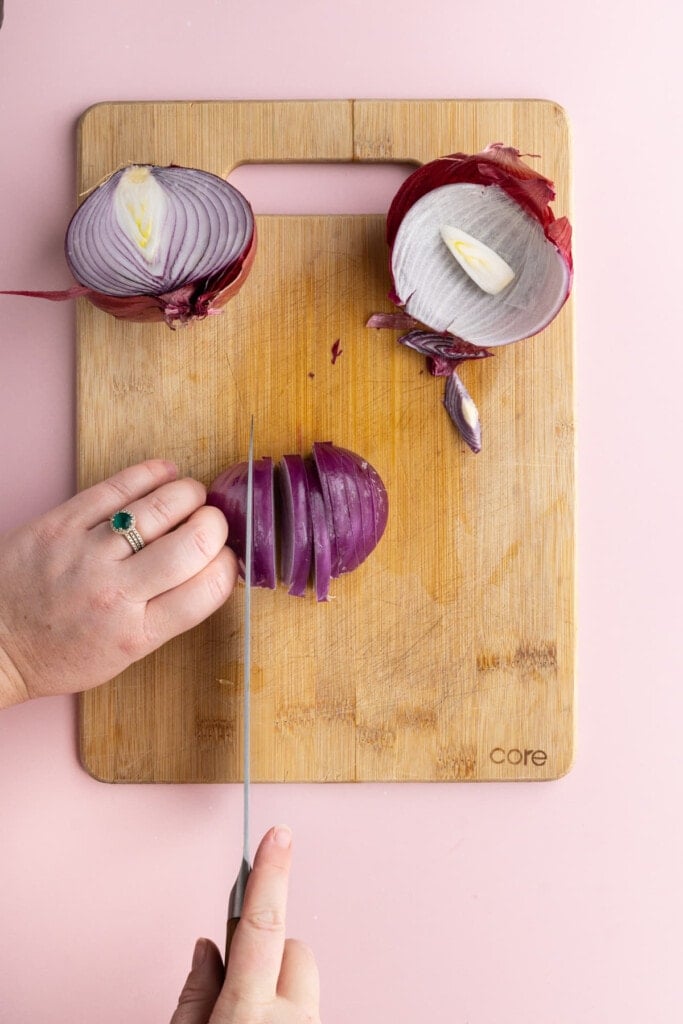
[(82, 597)]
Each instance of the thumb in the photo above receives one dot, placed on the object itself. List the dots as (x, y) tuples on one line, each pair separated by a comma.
[(203, 984)]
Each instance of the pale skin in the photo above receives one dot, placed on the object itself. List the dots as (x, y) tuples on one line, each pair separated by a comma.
[(77, 606)]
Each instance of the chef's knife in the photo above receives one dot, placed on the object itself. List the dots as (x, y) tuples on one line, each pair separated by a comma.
[(237, 894)]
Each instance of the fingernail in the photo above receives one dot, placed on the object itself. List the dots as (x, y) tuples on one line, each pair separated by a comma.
[(282, 836), (199, 956)]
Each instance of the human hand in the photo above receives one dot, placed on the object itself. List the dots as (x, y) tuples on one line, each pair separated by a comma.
[(77, 605), (269, 980)]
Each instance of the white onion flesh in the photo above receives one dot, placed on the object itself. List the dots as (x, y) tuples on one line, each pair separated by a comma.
[(437, 291)]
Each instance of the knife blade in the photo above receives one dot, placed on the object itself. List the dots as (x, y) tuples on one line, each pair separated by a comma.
[(237, 893)]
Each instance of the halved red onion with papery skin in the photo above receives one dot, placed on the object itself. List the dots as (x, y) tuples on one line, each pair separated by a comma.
[(228, 492), (444, 296), (478, 259), (296, 543), (331, 514), (504, 203), (153, 243)]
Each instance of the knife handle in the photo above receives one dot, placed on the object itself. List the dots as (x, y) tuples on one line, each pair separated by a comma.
[(232, 925)]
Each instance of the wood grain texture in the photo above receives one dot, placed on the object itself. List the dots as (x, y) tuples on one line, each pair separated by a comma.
[(449, 654)]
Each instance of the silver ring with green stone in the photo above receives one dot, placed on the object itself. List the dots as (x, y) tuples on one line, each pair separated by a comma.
[(123, 522)]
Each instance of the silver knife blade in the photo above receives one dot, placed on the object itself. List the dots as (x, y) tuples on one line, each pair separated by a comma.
[(237, 893)]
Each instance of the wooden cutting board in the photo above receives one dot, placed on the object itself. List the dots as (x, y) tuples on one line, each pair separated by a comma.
[(449, 654)]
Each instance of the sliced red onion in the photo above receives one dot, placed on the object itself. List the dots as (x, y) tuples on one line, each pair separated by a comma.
[(228, 492), (392, 321), (296, 542), (332, 512), (336, 507)]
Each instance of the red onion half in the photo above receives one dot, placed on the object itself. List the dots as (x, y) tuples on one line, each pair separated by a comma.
[(155, 243), (478, 258), (329, 511), (504, 204)]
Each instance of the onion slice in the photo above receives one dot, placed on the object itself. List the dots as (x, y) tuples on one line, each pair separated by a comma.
[(228, 492), (322, 549), (296, 542), (366, 499)]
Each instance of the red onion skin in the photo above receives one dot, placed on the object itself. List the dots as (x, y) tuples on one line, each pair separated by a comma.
[(194, 301), (496, 165)]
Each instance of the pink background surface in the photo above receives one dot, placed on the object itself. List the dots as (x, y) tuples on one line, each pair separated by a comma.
[(475, 904)]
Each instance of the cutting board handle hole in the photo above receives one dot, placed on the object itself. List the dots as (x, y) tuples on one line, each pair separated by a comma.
[(320, 188)]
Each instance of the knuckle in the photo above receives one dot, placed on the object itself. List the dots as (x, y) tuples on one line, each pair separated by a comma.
[(160, 510), (48, 531), (221, 581), (203, 540), (218, 588), (135, 644), (120, 493), (198, 488), (107, 598), (215, 517), (266, 919), (244, 1011), (141, 636)]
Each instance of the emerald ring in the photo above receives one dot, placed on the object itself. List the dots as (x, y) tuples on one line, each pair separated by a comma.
[(123, 522)]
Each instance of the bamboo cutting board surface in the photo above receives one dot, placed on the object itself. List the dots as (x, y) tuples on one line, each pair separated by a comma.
[(449, 654)]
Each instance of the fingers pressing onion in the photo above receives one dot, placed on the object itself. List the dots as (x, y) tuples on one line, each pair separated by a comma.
[(330, 512)]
